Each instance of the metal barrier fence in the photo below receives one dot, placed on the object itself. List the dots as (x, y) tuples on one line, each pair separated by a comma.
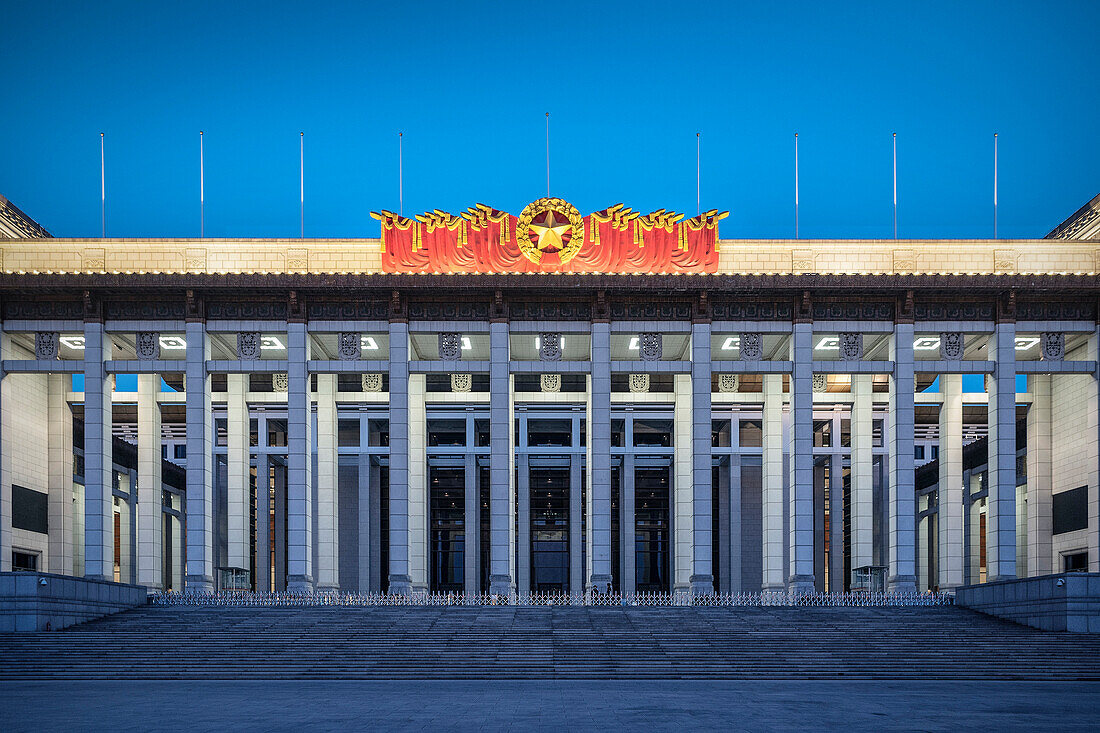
[(247, 599)]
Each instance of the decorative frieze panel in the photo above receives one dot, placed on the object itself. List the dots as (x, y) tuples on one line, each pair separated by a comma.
[(1004, 260), (372, 382), (549, 311), (728, 382), (144, 310), (350, 346), (650, 311), (328, 310), (45, 345), (461, 382), (951, 346), (550, 346), (246, 310), (280, 382), (248, 345), (851, 346), (954, 311), (751, 347), (820, 383), (638, 383), (1080, 309), (1052, 346), (147, 345), (650, 346), (550, 382), (750, 309), (449, 311), (450, 346), (852, 310)]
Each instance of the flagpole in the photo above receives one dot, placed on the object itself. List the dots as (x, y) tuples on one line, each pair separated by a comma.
[(698, 208), (102, 189), (547, 155), (895, 185), (994, 185), (302, 182), (202, 191), (400, 176), (796, 185)]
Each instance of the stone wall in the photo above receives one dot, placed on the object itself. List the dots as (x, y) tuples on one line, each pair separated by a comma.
[(45, 601), (1061, 602)]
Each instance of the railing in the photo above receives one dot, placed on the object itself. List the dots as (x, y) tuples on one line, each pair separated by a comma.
[(772, 598)]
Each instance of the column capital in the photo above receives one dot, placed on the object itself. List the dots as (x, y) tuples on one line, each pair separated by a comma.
[(196, 308), (93, 307), (804, 308), (295, 308), (399, 312), (905, 309), (1006, 307), (702, 312), (601, 312), (498, 309)]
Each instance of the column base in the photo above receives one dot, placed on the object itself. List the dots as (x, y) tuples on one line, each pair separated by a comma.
[(801, 585), (400, 585), (197, 584), (501, 585), (902, 584), (773, 588), (996, 578), (302, 584), (328, 588), (702, 585)]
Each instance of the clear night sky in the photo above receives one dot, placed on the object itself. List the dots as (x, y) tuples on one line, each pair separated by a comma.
[(628, 84)]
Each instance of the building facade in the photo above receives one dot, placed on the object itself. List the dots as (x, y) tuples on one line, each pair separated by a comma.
[(458, 407)]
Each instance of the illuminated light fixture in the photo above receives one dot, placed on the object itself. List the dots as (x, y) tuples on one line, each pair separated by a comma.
[(1023, 343), (561, 342), (828, 343), (77, 342), (271, 342), (731, 343), (172, 343), (926, 343), (368, 343), (466, 345)]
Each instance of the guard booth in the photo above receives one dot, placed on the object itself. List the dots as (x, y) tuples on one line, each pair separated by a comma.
[(869, 579), (234, 579)]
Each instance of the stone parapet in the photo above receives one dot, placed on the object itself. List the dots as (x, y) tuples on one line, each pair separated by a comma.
[(48, 602), (1061, 602)]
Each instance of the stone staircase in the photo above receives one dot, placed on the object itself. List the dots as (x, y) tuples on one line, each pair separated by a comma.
[(385, 642)]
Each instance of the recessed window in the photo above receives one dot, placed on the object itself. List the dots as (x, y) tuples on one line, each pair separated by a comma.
[(1070, 510), (24, 561), (1075, 562)]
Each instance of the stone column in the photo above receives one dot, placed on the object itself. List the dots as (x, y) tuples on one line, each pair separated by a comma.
[(237, 470), (200, 492), (399, 581), (702, 570), (862, 475), (902, 575), (682, 492), (836, 523), (801, 579), (150, 519), (98, 465), (501, 511), (951, 550), (1001, 504), (471, 504), (523, 533), (299, 486), (576, 514), (628, 561), (262, 581), (61, 476), (599, 459), (6, 427), (772, 505), (328, 500), (419, 501)]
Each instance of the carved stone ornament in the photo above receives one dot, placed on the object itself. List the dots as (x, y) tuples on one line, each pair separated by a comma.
[(350, 346), (951, 346), (248, 345), (851, 346), (372, 382), (639, 383), (1052, 346), (550, 382), (450, 346), (45, 345), (728, 382), (650, 346), (461, 382), (819, 383), (147, 345), (751, 347), (280, 382), (550, 346)]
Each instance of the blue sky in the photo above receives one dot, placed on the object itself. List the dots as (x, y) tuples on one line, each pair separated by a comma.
[(627, 84)]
